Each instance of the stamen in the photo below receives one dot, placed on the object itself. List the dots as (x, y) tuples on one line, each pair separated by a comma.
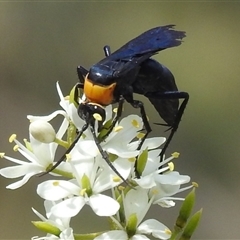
[(121, 188), (154, 191), (118, 129), (140, 135), (97, 116), (55, 183), (2, 155), (195, 184), (135, 123), (171, 166), (83, 191), (115, 110), (175, 154), (116, 179), (12, 138), (168, 231), (133, 159), (68, 157), (27, 144), (15, 148)]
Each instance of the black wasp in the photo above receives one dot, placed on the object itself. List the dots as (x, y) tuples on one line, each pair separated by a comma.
[(130, 70)]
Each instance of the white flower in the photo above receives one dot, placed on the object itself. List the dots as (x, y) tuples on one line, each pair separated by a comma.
[(169, 184), (117, 144), (66, 233), (95, 164), (87, 188), (136, 205), (161, 180), (39, 155)]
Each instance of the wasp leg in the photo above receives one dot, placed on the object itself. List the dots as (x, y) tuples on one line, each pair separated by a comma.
[(147, 127), (116, 118), (81, 72), (105, 155), (174, 128), (139, 104), (174, 125), (85, 126)]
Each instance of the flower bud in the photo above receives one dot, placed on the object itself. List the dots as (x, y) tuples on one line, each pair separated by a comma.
[(46, 227), (186, 210), (191, 226), (42, 131)]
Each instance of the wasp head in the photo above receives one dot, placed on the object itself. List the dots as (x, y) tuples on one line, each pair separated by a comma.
[(90, 112)]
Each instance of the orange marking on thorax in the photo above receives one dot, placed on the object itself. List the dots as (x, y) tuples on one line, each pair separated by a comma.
[(98, 93)]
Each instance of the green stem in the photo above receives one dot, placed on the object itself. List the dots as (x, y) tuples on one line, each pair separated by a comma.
[(87, 236), (61, 143), (63, 173)]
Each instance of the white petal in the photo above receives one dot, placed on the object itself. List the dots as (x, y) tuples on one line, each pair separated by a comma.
[(72, 112), (152, 143), (103, 182), (43, 154), (46, 118), (67, 234), (164, 190), (69, 207), (124, 167), (87, 147), (152, 164), (139, 237), (61, 223), (128, 132), (21, 182), (121, 151), (56, 190), (103, 205), (155, 227), (172, 178), (105, 179), (62, 129), (109, 112), (18, 171), (115, 234), (83, 167), (136, 201), (39, 215), (146, 182)]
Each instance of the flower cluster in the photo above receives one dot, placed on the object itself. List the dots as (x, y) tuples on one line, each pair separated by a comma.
[(144, 180)]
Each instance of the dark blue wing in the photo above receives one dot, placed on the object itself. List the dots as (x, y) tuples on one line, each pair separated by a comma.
[(151, 41), (131, 55)]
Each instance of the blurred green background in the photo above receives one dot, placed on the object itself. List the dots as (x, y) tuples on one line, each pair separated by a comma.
[(42, 43)]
